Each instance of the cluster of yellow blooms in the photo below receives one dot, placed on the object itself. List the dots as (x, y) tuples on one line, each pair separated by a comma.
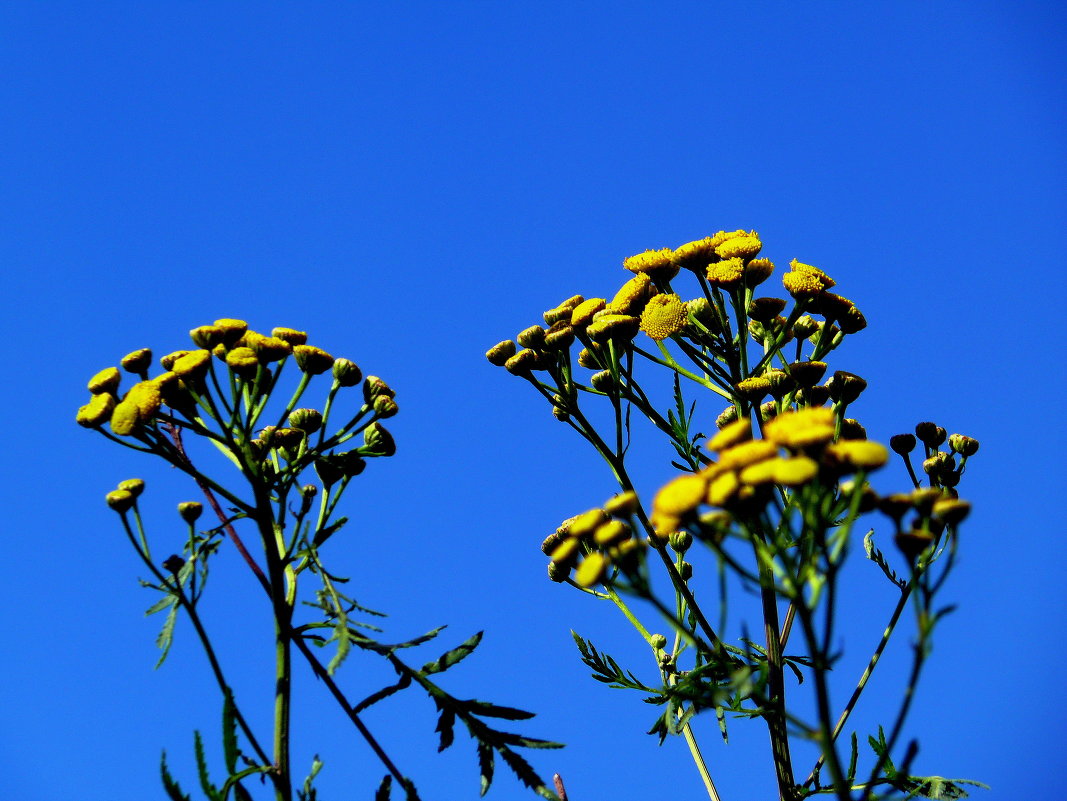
[(597, 538), (243, 351)]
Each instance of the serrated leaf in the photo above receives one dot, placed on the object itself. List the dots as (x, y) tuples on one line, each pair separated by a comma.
[(166, 635), (174, 792), (384, 788), (486, 709), (229, 732), (486, 760), (524, 742), (521, 768), (385, 692), (445, 726), (160, 605), (201, 769), (344, 645), (452, 657)]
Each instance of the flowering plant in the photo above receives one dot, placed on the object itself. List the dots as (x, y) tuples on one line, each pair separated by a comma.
[(294, 464), (774, 498)]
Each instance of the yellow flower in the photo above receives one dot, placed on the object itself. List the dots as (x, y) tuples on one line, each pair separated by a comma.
[(857, 454), (656, 262), (268, 349), (583, 313), (611, 533), (726, 274), (622, 505), (613, 326), (587, 522), (97, 411), (107, 380), (733, 434), (566, 553), (695, 255), (167, 362), (807, 269), (207, 336), (759, 473), (137, 361), (799, 429), (591, 570), (802, 285), (753, 388), (242, 361), (290, 335), (632, 295), (757, 271), (232, 330), (663, 316), (146, 397), (500, 352), (747, 453), (723, 488), (794, 472), (125, 419), (680, 496), (192, 365), (741, 245)]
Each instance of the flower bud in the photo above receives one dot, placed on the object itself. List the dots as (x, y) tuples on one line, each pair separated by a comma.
[(851, 429), (173, 563), (657, 263), (731, 434), (192, 366), (685, 570), (268, 349), (850, 455), (373, 387), (328, 469), (290, 335), (385, 406), (623, 505), (633, 295), (618, 327), (243, 362), (346, 373), (582, 314), (566, 552), (532, 337), (120, 500), (207, 336), (592, 570), (913, 543), (807, 374), (753, 389), (767, 411), (125, 419), (500, 353), (845, 387), (559, 337), (930, 434), (852, 321), (924, 499), (563, 310), (611, 533), (588, 359), (813, 396), (559, 409), (522, 363), (902, 443), (311, 360), (938, 464), (763, 310), (963, 445), (895, 506), (307, 420), (190, 511), (757, 271), (377, 441), (167, 362), (602, 380), (137, 361), (134, 486), (97, 411), (107, 380), (727, 416), (232, 330), (658, 641), (288, 438), (557, 572), (951, 511), (586, 523), (805, 326), (680, 541)]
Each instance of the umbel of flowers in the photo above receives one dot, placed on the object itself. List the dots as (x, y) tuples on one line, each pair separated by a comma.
[(771, 486), (294, 461)]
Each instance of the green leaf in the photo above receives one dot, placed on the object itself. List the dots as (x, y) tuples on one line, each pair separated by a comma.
[(385, 692), (453, 657), (344, 645), (384, 788), (485, 765), (324, 534), (166, 634), (160, 605), (445, 725), (486, 709), (229, 732), (210, 790), (174, 792), (851, 775)]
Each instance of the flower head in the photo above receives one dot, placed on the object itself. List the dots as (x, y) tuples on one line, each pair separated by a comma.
[(663, 316), (657, 263)]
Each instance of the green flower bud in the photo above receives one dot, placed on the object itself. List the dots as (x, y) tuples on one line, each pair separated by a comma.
[(951, 511), (346, 373), (385, 406), (680, 541), (500, 353), (558, 572), (685, 570), (559, 337), (727, 416), (532, 337), (602, 380), (845, 387), (805, 327), (138, 361), (134, 486), (522, 363), (312, 360), (190, 511), (120, 500), (559, 409), (658, 641), (307, 420), (964, 446), (377, 441), (328, 469), (763, 310), (807, 374), (374, 387), (851, 429), (589, 359)]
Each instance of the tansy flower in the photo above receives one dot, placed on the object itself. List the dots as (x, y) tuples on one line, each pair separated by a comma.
[(723, 488), (857, 454), (632, 295), (613, 326), (732, 434), (663, 316), (591, 570), (680, 496), (145, 396), (747, 453), (655, 262), (739, 245), (726, 274), (97, 411), (799, 429), (107, 380), (696, 255), (582, 314)]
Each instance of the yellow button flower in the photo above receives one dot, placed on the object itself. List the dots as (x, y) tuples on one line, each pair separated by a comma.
[(663, 316), (800, 429), (655, 262), (733, 434)]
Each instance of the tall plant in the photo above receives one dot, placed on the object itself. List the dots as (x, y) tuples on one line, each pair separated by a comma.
[(774, 495), (289, 467)]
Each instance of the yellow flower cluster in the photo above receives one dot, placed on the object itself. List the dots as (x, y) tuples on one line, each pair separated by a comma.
[(663, 316), (746, 467), (243, 351), (655, 262), (593, 542)]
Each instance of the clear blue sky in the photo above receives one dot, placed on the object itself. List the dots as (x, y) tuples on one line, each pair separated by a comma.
[(412, 182)]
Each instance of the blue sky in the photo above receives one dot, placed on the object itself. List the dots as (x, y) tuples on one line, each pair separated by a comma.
[(412, 182)]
